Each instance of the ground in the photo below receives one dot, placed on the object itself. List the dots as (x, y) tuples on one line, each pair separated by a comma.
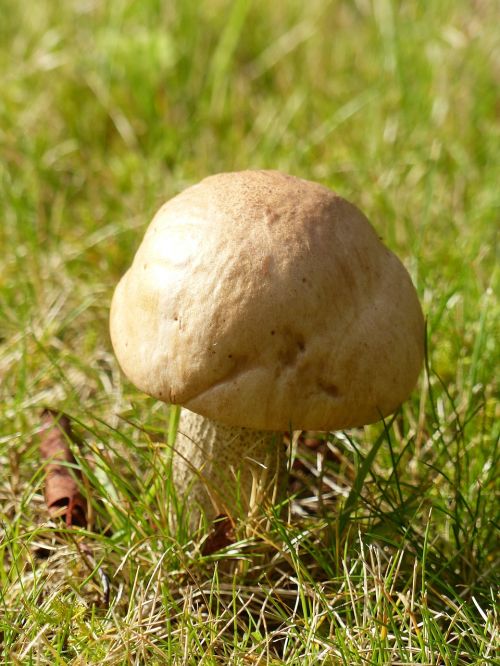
[(107, 110)]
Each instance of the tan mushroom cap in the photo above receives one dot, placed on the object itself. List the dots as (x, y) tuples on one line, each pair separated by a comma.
[(266, 301)]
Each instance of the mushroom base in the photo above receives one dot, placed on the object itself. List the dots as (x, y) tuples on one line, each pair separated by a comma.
[(219, 469)]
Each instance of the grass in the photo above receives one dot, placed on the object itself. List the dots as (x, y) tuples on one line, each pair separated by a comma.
[(388, 551)]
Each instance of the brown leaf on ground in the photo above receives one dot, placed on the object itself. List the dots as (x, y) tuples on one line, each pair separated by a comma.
[(62, 489), (222, 535), (312, 440)]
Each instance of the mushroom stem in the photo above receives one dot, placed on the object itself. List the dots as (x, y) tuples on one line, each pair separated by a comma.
[(219, 469)]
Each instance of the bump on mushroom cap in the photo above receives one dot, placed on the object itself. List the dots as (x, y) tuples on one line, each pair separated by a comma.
[(267, 301)]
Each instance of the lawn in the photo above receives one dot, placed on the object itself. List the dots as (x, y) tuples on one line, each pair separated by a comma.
[(387, 551)]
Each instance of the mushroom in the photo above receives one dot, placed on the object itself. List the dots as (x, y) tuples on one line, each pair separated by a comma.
[(263, 303)]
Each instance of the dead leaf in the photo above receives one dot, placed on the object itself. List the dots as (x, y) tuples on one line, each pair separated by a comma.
[(222, 535), (62, 488)]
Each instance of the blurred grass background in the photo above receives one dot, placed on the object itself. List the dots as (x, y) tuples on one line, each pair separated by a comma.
[(108, 109)]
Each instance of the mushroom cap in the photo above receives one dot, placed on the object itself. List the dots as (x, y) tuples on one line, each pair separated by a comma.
[(266, 301)]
